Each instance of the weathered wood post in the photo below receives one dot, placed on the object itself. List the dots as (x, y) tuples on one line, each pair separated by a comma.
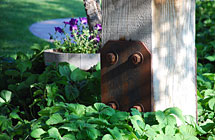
[(167, 28)]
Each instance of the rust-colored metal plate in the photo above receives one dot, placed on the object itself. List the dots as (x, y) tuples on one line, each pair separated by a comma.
[(126, 75)]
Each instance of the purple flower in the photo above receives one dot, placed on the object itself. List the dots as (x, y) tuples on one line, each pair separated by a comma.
[(91, 37), (83, 20), (73, 21), (65, 22), (58, 29), (74, 27), (98, 27), (97, 38)]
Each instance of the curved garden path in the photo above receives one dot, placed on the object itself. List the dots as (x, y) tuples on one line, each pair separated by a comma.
[(43, 29)]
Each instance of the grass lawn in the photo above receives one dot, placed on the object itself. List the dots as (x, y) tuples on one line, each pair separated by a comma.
[(17, 15)]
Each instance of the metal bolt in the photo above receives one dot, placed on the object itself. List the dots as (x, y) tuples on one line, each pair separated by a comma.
[(136, 58), (139, 108), (112, 105), (111, 58)]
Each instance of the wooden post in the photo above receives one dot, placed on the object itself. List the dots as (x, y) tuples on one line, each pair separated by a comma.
[(167, 27)]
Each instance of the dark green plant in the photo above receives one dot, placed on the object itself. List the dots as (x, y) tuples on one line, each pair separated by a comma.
[(66, 83), (205, 45), (205, 34), (74, 121), (55, 84)]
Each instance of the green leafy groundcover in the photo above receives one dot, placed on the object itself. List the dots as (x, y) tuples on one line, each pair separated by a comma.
[(43, 104), (74, 121)]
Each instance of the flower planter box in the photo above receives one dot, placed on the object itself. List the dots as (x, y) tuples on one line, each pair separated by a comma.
[(82, 61)]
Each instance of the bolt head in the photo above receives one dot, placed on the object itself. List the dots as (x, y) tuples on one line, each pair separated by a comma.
[(112, 105), (111, 58), (139, 108), (136, 58)]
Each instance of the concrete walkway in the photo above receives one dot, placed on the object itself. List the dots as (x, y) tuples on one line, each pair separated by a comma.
[(44, 28)]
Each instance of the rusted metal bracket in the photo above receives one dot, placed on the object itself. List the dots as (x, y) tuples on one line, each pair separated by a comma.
[(126, 75)]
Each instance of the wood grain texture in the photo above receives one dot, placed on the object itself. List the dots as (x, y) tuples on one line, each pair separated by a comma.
[(167, 27), (173, 51), (127, 19)]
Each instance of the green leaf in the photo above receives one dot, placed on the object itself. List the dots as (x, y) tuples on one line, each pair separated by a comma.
[(191, 138), (171, 120), (54, 133), (72, 67), (78, 75), (211, 138), (22, 56), (77, 109), (98, 121), (123, 126), (107, 137), (5, 123), (31, 79), (211, 103), (149, 118), (70, 127), (98, 66), (71, 92), (163, 137), (208, 92), (119, 116), (45, 112), (160, 117), (5, 96), (169, 130), (192, 121), (65, 70), (150, 132), (13, 73), (175, 111), (36, 47), (93, 133), (36, 133), (210, 76), (4, 137), (138, 124), (68, 137), (115, 133), (135, 112), (52, 90), (54, 119), (107, 111), (100, 106), (14, 115), (208, 125), (187, 130), (211, 58), (38, 92), (24, 65)]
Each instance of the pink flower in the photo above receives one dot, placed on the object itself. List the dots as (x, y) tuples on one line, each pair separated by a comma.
[(83, 20), (73, 27)]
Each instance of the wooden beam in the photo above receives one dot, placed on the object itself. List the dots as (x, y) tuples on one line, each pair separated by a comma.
[(174, 58), (167, 27)]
